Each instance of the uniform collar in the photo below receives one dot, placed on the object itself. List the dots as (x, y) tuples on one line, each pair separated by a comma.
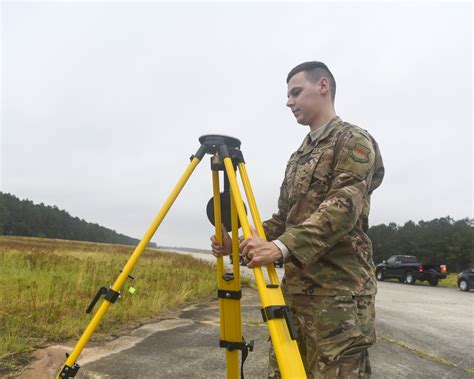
[(316, 136)]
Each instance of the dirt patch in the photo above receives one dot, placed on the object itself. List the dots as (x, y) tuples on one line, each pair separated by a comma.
[(13, 364), (45, 363)]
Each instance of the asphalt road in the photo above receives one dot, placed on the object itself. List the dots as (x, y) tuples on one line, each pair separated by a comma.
[(434, 320), (422, 332)]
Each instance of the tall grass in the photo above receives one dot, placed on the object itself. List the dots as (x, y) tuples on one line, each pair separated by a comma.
[(451, 281), (46, 285)]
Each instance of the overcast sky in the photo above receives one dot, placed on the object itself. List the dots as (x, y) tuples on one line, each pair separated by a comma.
[(103, 103)]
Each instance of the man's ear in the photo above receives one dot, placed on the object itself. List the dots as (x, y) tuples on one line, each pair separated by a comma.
[(323, 86)]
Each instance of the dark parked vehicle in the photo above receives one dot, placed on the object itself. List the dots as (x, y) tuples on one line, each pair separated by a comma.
[(278, 263), (466, 280), (407, 269)]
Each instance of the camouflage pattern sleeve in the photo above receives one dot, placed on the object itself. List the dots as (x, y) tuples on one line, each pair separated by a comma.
[(275, 226), (338, 213)]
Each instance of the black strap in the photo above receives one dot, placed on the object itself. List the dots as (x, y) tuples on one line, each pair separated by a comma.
[(280, 311), (230, 295), (244, 346), (109, 295)]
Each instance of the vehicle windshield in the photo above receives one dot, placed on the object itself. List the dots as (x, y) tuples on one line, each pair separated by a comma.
[(408, 259)]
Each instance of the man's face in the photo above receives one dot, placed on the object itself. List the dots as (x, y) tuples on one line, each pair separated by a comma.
[(304, 98)]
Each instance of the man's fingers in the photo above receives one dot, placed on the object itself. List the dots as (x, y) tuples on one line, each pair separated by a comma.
[(246, 260), (219, 248), (243, 244), (217, 251), (252, 263), (246, 250), (256, 262), (214, 240), (216, 247)]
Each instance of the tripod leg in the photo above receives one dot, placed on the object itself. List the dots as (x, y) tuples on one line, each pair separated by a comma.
[(70, 368), (274, 310), (228, 289), (218, 227), (256, 217)]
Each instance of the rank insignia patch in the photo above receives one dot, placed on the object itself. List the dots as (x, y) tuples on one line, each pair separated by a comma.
[(359, 153)]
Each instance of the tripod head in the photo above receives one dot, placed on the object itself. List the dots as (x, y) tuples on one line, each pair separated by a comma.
[(220, 147), (214, 141), (215, 144)]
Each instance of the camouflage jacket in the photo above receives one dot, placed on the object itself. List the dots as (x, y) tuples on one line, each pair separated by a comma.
[(323, 212)]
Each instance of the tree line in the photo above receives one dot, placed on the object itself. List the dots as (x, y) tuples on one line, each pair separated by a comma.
[(439, 241), (24, 218)]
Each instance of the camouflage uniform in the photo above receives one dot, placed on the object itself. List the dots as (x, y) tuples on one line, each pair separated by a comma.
[(322, 219)]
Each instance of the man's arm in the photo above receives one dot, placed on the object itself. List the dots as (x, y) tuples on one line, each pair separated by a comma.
[(339, 212)]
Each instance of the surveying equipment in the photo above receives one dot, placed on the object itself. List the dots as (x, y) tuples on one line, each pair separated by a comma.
[(227, 208)]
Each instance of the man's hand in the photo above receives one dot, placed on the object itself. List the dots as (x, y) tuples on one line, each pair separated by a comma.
[(258, 252), (219, 250)]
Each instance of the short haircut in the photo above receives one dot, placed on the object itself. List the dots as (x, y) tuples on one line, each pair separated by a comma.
[(314, 71)]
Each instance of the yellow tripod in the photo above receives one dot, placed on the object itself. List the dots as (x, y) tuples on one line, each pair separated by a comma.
[(226, 157)]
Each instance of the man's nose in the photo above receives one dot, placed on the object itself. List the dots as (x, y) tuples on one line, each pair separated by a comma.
[(290, 102)]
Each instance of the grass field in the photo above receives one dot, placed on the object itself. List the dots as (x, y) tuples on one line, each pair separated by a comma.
[(46, 285)]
